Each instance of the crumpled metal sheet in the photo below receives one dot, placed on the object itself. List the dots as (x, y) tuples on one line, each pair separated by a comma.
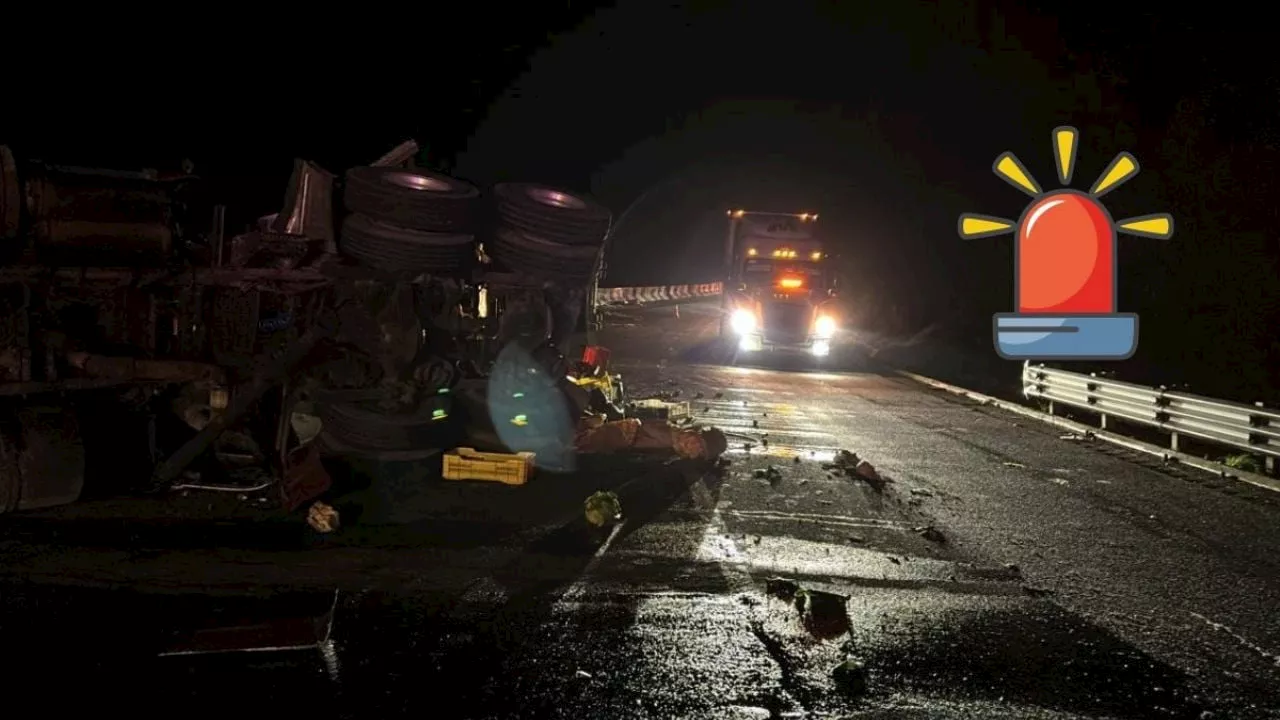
[(308, 205), (398, 156)]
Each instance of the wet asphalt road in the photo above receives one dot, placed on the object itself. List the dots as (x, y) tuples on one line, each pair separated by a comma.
[(1068, 579)]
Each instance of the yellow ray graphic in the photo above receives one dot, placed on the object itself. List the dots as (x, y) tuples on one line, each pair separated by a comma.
[(1064, 152), (1124, 167), (973, 226), (1158, 225), (1007, 167)]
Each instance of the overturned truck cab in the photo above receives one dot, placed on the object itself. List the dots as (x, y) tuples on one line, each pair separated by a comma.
[(780, 291), (149, 355)]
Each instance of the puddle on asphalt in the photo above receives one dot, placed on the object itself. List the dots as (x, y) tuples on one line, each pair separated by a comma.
[(776, 555), (815, 454)]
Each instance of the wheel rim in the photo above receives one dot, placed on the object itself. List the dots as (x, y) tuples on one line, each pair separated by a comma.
[(555, 198), (413, 181)]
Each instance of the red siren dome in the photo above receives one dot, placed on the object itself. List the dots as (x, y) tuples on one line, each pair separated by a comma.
[(1066, 256)]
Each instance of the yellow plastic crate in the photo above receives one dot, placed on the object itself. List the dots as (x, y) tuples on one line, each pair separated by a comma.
[(508, 468)]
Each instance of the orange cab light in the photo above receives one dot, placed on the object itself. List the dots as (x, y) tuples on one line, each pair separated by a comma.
[(791, 283)]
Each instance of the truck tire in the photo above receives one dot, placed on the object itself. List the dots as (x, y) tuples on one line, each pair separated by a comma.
[(556, 215), (352, 418), (527, 253), (393, 249), (412, 198)]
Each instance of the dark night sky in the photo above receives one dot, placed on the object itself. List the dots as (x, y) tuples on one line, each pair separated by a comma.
[(883, 116)]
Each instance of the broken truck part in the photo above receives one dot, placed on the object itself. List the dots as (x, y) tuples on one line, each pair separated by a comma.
[(129, 307)]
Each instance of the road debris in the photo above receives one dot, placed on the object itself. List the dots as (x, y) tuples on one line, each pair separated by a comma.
[(921, 492), (468, 464), (1013, 465), (285, 623), (595, 435), (867, 471), (602, 508), (852, 466), (824, 614), (770, 473), (930, 533), (658, 409), (850, 678), (782, 588), (322, 517)]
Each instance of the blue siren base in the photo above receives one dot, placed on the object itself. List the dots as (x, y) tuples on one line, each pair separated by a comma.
[(1021, 336)]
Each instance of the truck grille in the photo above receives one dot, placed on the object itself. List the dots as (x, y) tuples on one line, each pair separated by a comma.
[(786, 322)]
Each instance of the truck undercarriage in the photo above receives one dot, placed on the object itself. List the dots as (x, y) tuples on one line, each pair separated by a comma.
[(143, 350)]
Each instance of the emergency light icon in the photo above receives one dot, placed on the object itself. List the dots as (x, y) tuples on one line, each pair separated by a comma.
[(1065, 262)]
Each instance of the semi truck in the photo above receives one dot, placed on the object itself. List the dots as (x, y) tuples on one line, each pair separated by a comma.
[(779, 294)]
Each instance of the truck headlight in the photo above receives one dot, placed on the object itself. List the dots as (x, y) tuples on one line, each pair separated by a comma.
[(825, 326), (742, 321)]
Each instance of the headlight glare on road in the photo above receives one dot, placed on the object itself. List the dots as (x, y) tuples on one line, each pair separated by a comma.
[(825, 326), (742, 321)]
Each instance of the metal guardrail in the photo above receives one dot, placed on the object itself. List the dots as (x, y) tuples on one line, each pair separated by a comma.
[(1250, 428), (653, 294)]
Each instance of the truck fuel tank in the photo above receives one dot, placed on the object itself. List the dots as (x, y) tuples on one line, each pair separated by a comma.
[(83, 218)]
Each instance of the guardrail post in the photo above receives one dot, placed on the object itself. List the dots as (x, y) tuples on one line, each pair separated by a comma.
[(1268, 462), (1162, 415), (1092, 399)]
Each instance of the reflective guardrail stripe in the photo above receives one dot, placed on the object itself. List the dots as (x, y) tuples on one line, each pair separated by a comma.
[(659, 293)]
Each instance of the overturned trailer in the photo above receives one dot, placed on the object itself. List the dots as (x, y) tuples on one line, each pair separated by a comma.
[(144, 349)]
